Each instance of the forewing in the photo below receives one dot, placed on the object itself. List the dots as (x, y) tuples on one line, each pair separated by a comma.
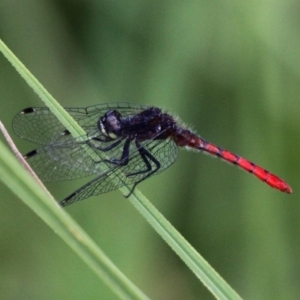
[(39, 125)]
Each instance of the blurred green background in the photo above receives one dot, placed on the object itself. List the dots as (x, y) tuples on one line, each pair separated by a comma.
[(230, 69)]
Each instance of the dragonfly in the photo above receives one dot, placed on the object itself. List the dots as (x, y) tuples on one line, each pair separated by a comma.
[(124, 144)]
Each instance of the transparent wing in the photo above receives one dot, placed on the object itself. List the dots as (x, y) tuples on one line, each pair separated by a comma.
[(165, 151), (39, 125), (67, 161)]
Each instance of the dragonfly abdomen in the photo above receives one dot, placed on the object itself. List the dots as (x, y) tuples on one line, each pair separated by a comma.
[(195, 142)]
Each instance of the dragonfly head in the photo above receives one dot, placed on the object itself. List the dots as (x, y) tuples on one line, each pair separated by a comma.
[(110, 124)]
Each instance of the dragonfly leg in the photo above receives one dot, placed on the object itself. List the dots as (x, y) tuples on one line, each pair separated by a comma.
[(113, 145), (105, 149), (146, 156), (123, 161)]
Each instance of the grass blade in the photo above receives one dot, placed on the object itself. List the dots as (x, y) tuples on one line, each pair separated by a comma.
[(210, 278)]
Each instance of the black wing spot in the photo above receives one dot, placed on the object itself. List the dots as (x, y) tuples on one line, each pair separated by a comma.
[(65, 132), (28, 110), (30, 154)]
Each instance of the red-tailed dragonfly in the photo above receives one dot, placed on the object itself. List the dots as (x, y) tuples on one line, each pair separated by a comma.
[(124, 145)]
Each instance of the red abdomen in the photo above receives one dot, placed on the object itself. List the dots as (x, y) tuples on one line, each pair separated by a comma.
[(185, 138)]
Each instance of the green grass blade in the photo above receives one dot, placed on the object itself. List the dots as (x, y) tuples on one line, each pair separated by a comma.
[(210, 278)]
